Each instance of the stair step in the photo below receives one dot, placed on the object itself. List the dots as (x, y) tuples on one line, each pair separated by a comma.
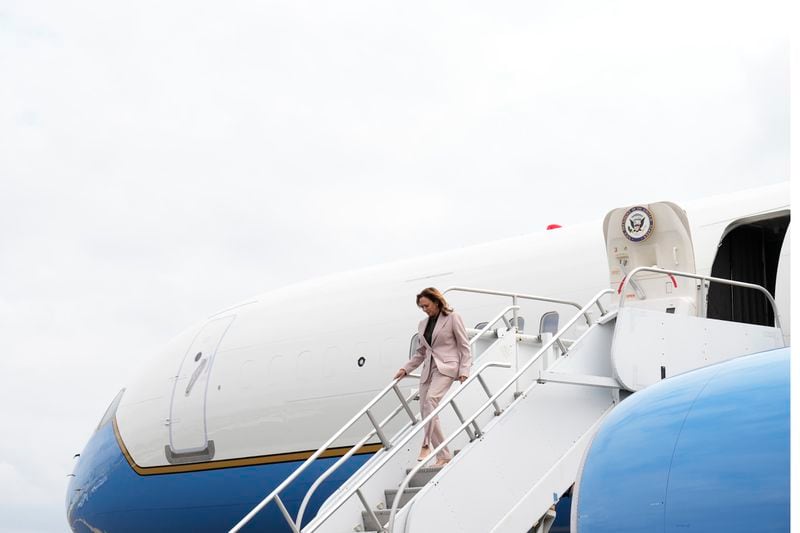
[(422, 477), (369, 523), (407, 495)]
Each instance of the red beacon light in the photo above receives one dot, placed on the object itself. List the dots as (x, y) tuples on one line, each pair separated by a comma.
[(553, 226)]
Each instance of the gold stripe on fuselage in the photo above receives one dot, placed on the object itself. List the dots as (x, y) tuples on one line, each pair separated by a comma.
[(234, 463)]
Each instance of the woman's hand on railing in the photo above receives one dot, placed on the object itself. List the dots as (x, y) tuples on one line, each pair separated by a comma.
[(400, 374)]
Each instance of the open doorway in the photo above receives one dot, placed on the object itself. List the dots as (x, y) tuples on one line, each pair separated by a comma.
[(749, 252)]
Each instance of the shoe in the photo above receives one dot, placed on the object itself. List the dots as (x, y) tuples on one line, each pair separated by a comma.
[(424, 453), (440, 463)]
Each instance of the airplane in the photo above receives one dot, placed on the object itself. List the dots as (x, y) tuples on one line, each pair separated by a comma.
[(235, 404)]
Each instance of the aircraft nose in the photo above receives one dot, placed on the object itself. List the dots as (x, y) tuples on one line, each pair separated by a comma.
[(73, 494), (87, 495), (72, 487), (89, 492)]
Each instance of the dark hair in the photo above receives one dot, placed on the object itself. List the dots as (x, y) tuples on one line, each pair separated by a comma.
[(435, 295)]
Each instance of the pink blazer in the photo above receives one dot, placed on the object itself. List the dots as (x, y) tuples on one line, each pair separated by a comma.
[(450, 350)]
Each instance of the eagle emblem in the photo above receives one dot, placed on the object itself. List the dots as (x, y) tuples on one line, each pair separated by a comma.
[(637, 223)]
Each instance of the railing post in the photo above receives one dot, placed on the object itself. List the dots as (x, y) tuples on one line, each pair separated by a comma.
[(461, 418), (561, 346), (478, 431), (601, 308), (405, 405), (379, 430), (370, 512), (516, 344), (514, 313), (286, 514), (701, 304), (497, 408)]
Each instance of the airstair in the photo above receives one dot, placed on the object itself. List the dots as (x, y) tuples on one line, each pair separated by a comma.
[(523, 419)]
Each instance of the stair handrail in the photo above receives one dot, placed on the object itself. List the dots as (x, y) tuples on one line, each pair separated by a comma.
[(491, 401), (703, 289), (515, 296), (322, 477), (275, 494), (406, 437), (335, 466), (319, 520)]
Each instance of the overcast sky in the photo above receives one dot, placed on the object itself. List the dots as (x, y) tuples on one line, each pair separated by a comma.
[(160, 161)]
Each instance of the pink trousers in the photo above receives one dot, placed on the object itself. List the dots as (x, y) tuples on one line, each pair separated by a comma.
[(430, 394)]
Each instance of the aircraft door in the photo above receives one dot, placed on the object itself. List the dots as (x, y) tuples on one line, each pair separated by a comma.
[(756, 251), (188, 438), (651, 235), (783, 287)]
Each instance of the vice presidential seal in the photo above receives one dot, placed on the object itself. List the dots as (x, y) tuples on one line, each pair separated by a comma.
[(637, 223)]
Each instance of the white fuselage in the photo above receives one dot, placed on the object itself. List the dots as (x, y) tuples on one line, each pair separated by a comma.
[(282, 372)]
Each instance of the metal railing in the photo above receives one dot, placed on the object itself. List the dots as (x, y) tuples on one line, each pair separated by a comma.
[(275, 494), (701, 308), (296, 524), (473, 433), (407, 436), (492, 401), (516, 296)]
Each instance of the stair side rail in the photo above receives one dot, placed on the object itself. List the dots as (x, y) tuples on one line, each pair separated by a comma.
[(703, 288), (356, 489), (490, 402), (404, 406), (516, 296), (275, 494), (335, 466)]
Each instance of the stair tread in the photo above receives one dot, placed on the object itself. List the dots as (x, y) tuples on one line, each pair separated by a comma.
[(425, 469), (413, 490), (382, 516), (390, 494), (380, 513)]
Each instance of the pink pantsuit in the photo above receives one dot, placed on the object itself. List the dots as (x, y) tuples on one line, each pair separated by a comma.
[(448, 358)]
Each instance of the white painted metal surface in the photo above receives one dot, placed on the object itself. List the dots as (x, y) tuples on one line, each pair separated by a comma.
[(187, 420), (646, 340), (667, 244)]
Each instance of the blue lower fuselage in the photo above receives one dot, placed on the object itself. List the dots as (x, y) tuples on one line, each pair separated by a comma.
[(107, 495)]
